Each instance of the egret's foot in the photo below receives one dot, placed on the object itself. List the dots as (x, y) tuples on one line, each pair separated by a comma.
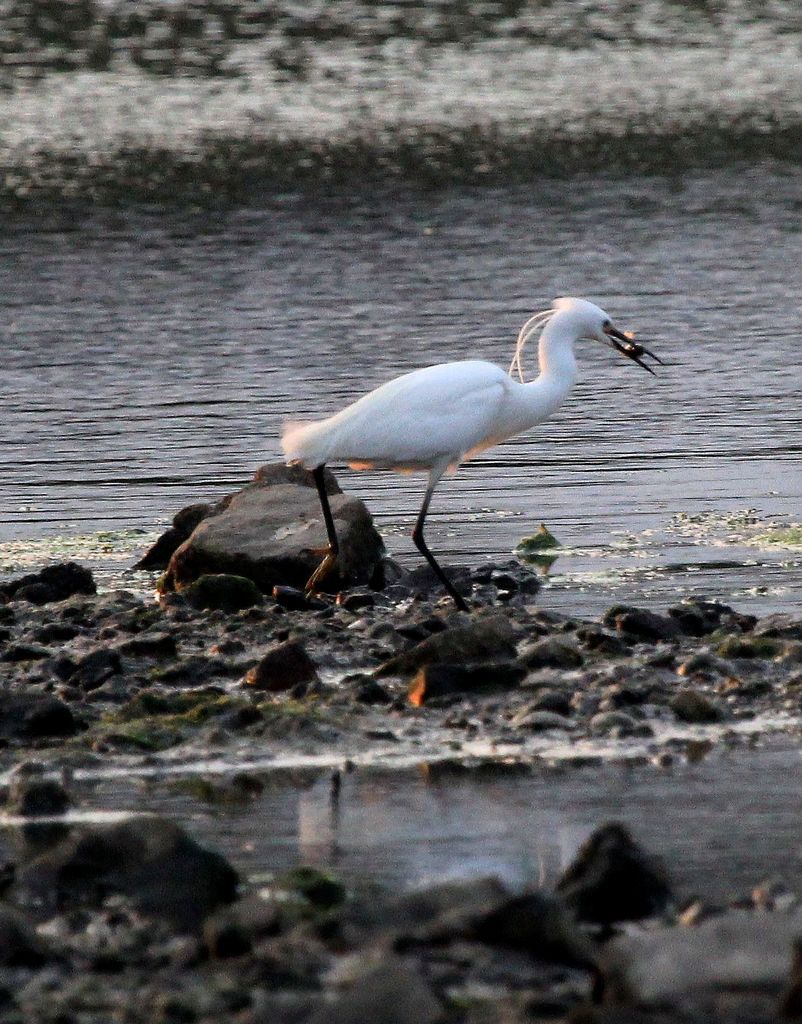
[(322, 571)]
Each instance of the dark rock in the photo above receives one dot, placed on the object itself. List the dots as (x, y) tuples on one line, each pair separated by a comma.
[(19, 944), (540, 721), (150, 860), (223, 592), (184, 522), (443, 680), (283, 667), (780, 626), (232, 931), (150, 645), (95, 668), (692, 706), (356, 600), (555, 701), (272, 532), (25, 652), (296, 600), (541, 925), (35, 716), (366, 690), (484, 640), (618, 724), (641, 624), (318, 887), (736, 646), (735, 952), (390, 993), (32, 796), (613, 879), (600, 640), (55, 632), (441, 912), (550, 653), (53, 583), (700, 618)]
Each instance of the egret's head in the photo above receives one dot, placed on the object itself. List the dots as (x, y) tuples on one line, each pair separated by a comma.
[(593, 323)]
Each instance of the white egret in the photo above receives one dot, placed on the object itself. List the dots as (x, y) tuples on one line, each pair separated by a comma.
[(437, 417)]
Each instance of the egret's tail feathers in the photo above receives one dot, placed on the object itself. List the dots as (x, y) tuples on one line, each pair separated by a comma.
[(306, 443)]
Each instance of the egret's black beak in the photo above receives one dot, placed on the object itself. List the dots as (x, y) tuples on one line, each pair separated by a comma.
[(631, 349)]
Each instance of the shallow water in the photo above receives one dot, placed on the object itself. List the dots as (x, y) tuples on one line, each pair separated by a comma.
[(736, 824), (151, 357)]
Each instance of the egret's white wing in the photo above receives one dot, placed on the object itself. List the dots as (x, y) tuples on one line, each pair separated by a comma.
[(413, 421)]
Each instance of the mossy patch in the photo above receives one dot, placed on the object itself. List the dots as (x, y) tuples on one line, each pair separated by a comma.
[(539, 548), (735, 646), (153, 720)]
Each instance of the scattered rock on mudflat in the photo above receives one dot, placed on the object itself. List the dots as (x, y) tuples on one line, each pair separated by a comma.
[(737, 950), (184, 522), (283, 667), (35, 716), (538, 923), (151, 860), (613, 879), (222, 591), (641, 624), (482, 640), (444, 680), (692, 706), (272, 532), (550, 653), (391, 993), (34, 796), (53, 583)]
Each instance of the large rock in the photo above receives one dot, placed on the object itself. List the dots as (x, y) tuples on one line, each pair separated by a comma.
[(738, 950), (150, 860), (53, 583), (272, 532), (614, 879), (488, 639)]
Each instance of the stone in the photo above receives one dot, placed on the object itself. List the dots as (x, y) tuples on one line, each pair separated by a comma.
[(541, 925), (320, 888), (35, 716), (444, 680), (36, 797), (272, 532), (95, 668), (281, 668), (391, 992), (737, 646), (151, 644), (223, 592), (150, 860), (737, 950), (184, 522), (700, 618), (483, 640), (641, 624), (20, 946), (694, 707), (618, 724), (613, 879), (540, 721), (550, 653), (53, 583), (781, 626)]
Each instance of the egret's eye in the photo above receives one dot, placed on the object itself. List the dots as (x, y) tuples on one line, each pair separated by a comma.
[(606, 325)]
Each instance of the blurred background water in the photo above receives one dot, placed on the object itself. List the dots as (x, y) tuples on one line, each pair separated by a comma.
[(220, 215)]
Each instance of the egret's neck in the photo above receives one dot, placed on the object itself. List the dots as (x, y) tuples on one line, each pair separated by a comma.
[(556, 357)]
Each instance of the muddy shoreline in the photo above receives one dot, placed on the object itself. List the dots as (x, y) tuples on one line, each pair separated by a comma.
[(94, 681)]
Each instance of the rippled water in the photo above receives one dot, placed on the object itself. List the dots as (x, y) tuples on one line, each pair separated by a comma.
[(736, 824), (149, 359)]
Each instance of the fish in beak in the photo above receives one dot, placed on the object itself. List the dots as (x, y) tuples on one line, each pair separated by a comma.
[(631, 349)]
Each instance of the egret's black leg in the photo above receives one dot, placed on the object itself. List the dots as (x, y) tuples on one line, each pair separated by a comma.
[(420, 544), (330, 556)]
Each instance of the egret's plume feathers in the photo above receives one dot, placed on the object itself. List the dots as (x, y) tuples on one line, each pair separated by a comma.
[(532, 326)]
